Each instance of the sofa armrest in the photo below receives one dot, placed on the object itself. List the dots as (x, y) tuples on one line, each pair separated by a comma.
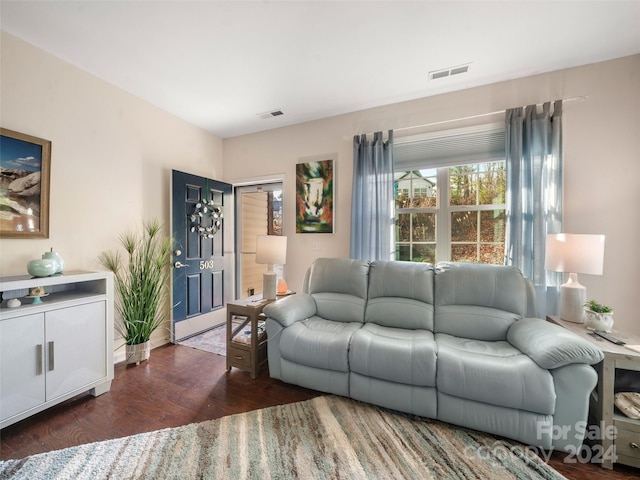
[(551, 346), (289, 310)]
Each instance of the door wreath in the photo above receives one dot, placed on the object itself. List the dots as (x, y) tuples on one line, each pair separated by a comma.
[(206, 209)]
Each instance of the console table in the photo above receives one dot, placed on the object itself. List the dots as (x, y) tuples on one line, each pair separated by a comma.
[(54, 348), (626, 444)]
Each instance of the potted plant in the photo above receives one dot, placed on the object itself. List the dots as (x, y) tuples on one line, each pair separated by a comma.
[(598, 316), (141, 285)]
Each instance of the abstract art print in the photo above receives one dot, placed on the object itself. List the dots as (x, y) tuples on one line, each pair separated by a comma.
[(24, 185), (314, 197)]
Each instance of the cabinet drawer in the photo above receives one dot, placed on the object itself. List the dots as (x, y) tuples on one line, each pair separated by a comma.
[(628, 443), (239, 357)]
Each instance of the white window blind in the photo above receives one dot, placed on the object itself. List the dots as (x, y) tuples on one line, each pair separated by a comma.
[(482, 143)]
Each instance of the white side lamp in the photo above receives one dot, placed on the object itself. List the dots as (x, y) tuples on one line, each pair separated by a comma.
[(574, 253), (270, 250)]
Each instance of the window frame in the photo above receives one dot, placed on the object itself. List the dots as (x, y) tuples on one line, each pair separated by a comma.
[(443, 212)]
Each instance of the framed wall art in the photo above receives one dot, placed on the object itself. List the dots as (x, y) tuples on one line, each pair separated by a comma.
[(25, 163), (314, 197)]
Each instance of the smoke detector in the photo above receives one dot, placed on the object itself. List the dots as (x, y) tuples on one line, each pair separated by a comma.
[(270, 114), (449, 72)]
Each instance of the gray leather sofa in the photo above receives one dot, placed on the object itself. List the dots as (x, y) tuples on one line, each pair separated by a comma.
[(452, 341)]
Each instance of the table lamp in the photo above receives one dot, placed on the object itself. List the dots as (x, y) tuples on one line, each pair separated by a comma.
[(574, 253), (270, 250)]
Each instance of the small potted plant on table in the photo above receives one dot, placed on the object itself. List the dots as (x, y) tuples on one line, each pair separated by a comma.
[(141, 286), (598, 316)]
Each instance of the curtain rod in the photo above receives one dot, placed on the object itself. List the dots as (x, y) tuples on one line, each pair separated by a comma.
[(471, 117)]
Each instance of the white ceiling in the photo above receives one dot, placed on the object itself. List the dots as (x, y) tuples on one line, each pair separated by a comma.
[(220, 64)]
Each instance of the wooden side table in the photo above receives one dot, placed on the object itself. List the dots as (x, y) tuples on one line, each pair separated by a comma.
[(246, 352), (624, 441)]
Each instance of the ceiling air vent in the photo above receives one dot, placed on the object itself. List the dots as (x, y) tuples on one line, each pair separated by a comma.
[(271, 114), (438, 74), (448, 72)]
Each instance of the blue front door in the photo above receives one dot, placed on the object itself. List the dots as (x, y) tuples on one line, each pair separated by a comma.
[(200, 209)]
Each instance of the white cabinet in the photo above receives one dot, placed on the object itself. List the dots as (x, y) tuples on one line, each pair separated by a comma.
[(54, 350), (21, 369)]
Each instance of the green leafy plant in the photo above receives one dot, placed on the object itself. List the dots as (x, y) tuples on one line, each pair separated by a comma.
[(141, 282), (597, 307)]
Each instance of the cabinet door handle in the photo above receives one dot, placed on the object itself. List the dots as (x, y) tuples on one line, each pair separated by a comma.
[(634, 445), (51, 357), (39, 359)]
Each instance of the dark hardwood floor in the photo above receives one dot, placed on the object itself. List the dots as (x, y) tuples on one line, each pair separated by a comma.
[(181, 385)]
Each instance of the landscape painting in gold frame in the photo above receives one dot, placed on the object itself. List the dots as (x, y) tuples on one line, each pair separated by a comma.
[(25, 164)]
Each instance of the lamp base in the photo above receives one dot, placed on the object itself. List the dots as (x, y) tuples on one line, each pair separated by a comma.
[(269, 282), (573, 296)]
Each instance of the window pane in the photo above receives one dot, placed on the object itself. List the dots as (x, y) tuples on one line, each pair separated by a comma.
[(492, 254), (463, 188), (464, 226), (402, 189), (492, 183), (424, 188), (424, 253), (403, 227), (492, 224), (402, 198), (403, 252), (415, 189), (464, 253), (424, 227)]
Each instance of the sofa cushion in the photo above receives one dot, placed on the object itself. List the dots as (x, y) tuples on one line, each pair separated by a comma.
[(340, 307), (493, 372), (339, 287), (478, 323), (497, 293), (339, 275), (318, 343), (394, 354), (400, 295)]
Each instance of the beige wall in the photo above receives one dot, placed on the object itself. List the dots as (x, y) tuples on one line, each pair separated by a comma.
[(113, 153), (602, 163), (111, 161)]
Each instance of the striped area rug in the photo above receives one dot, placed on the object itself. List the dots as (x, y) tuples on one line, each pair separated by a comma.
[(327, 437)]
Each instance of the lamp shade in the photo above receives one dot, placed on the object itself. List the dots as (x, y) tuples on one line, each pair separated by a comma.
[(575, 253), (271, 249)]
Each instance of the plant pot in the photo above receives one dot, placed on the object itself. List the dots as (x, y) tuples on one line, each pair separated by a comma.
[(138, 353), (598, 321)]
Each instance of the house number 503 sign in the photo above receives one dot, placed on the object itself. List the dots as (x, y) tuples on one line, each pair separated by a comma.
[(208, 264)]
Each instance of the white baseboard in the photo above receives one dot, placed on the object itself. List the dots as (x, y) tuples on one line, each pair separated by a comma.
[(119, 357)]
